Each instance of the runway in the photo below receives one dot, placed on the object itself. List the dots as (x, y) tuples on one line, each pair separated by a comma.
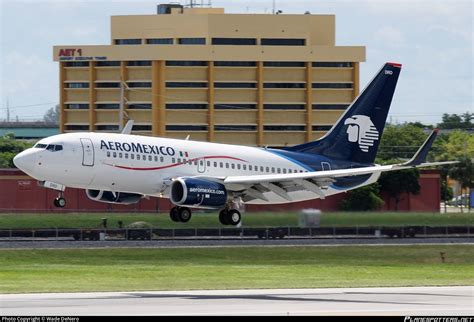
[(402, 301), (63, 244)]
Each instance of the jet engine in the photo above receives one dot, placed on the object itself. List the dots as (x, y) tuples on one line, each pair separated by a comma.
[(198, 193), (123, 198)]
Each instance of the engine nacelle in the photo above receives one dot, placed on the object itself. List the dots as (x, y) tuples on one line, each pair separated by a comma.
[(198, 193), (123, 198)]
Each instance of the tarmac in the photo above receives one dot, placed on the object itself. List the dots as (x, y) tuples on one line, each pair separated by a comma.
[(399, 301)]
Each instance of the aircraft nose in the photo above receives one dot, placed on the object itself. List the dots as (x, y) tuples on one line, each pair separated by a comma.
[(25, 161)]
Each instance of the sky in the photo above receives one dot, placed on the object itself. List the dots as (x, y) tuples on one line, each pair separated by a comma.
[(432, 39)]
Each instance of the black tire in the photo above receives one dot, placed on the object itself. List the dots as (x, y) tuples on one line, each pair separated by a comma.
[(56, 203), (174, 214), (223, 217), (184, 214), (61, 202), (233, 217)]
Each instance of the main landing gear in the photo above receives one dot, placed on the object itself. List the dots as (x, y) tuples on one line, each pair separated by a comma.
[(230, 217), (180, 214), (60, 202)]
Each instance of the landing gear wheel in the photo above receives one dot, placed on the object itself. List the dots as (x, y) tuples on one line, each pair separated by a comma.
[(60, 202), (174, 214), (233, 217), (184, 214), (223, 217)]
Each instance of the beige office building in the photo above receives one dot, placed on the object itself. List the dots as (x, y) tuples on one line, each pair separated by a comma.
[(252, 79)]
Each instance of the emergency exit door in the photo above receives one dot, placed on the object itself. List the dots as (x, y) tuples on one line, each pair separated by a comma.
[(87, 152)]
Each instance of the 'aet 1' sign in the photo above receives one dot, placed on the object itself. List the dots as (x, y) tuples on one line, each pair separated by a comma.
[(70, 52)]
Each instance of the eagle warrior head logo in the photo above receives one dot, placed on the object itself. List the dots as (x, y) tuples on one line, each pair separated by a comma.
[(361, 130)]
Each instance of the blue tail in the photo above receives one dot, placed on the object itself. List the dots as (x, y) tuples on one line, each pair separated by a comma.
[(356, 135)]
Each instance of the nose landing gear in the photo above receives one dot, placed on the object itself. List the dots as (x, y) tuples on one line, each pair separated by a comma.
[(60, 201)]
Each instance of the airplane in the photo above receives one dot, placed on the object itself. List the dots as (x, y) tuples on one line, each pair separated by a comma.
[(121, 168)]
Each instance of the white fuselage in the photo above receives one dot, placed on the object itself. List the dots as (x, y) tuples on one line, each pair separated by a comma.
[(145, 165)]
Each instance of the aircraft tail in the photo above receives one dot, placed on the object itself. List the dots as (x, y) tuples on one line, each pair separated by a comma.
[(356, 135)]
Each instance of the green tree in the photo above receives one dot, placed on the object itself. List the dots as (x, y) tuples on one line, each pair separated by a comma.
[(362, 199), (400, 141), (455, 121), (9, 147), (463, 172), (52, 115)]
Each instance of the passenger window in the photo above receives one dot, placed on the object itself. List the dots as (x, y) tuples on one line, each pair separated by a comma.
[(173, 160), (273, 170), (238, 166), (284, 170), (120, 155), (108, 153), (215, 164), (162, 159), (156, 158), (232, 165), (261, 168), (115, 154), (208, 163), (179, 160), (195, 162), (221, 164), (267, 169), (278, 170), (138, 156), (126, 155), (150, 158), (227, 165), (250, 167), (245, 167), (132, 156)]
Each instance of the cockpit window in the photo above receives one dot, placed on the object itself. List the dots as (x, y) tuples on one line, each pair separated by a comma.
[(40, 146), (54, 147)]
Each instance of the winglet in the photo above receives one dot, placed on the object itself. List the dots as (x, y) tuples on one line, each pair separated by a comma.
[(420, 155), (128, 127)]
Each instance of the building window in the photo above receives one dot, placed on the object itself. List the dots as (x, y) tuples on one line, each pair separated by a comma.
[(139, 63), (332, 85), (186, 106), (284, 128), (160, 41), (108, 106), (108, 63), (231, 106), (107, 127), (107, 85), (332, 64), (284, 85), (234, 41), (139, 84), (186, 84), (77, 127), (284, 106), (144, 106), (282, 42), (142, 127), (235, 128), (77, 106), (283, 64), (235, 64), (128, 41), (77, 64), (321, 127), (186, 128), (235, 85), (77, 85), (192, 41), (330, 106), (186, 63)]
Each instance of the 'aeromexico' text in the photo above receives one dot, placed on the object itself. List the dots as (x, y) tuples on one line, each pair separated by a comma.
[(137, 148)]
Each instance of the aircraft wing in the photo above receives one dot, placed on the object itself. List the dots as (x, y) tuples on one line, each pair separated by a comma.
[(254, 186)]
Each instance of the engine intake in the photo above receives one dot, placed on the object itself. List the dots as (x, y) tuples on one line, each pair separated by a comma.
[(123, 198), (198, 193)]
